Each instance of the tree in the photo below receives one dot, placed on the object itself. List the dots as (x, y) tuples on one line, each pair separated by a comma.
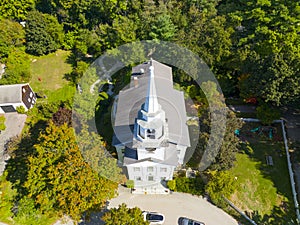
[(230, 145), (12, 35), (59, 179), (220, 184), (93, 150), (43, 33), (266, 46), (225, 157), (163, 28), (62, 116), (16, 10), (123, 215), (267, 114), (18, 67)]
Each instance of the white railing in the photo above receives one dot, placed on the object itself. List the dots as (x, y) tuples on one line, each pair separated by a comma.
[(291, 173)]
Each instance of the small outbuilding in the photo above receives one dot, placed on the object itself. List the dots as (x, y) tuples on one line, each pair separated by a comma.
[(15, 95)]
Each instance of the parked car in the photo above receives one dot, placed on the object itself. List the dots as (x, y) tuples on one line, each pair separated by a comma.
[(187, 221), (153, 217)]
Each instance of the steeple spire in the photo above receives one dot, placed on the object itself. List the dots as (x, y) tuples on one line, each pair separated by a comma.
[(151, 104)]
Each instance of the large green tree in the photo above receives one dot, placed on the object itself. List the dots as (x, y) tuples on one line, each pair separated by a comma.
[(225, 156), (95, 154), (43, 33), (16, 10), (60, 179), (12, 35), (266, 48), (17, 67), (123, 215)]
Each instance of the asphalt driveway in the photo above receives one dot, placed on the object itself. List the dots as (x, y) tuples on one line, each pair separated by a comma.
[(14, 124)]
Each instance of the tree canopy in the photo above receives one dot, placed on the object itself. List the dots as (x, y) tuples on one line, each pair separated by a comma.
[(43, 33), (59, 178)]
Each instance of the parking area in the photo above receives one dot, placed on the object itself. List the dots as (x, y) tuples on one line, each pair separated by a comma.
[(175, 205)]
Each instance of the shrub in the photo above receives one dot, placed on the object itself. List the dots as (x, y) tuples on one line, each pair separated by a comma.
[(63, 115), (2, 123), (20, 109), (193, 186), (221, 184), (172, 185), (130, 183)]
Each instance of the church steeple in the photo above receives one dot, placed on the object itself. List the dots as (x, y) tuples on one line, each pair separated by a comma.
[(151, 104), (151, 127)]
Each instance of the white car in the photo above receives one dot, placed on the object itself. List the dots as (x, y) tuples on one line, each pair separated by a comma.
[(153, 217), (186, 221)]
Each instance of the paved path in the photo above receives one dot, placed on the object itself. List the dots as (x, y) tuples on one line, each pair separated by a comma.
[(174, 206), (14, 124)]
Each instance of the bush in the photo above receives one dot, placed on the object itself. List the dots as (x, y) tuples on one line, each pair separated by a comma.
[(20, 109), (2, 123), (221, 184), (130, 183), (172, 185), (194, 186)]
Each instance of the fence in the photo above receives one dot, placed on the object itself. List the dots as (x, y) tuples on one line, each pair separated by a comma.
[(239, 211), (291, 173)]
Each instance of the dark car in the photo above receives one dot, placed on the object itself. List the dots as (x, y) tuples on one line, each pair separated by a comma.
[(153, 217), (187, 221)]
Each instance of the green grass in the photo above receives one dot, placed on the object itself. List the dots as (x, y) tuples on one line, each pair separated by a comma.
[(47, 72), (48, 76), (262, 190)]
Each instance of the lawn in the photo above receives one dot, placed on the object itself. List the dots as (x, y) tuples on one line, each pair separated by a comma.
[(48, 74), (263, 191)]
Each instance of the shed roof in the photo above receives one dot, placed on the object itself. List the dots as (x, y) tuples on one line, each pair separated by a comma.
[(11, 93)]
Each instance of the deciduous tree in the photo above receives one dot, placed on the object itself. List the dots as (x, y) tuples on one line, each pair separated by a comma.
[(12, 35), (18, 67), (59, 178), (43, 33), (16, 10)]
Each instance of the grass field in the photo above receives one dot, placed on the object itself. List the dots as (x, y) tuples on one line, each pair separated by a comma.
[(48, 74), (263, 191)]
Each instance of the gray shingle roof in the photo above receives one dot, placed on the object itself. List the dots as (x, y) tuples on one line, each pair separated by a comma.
[(11, 93), (171, 100)]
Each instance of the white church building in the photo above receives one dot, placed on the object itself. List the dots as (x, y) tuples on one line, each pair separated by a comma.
[(151, 133)]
